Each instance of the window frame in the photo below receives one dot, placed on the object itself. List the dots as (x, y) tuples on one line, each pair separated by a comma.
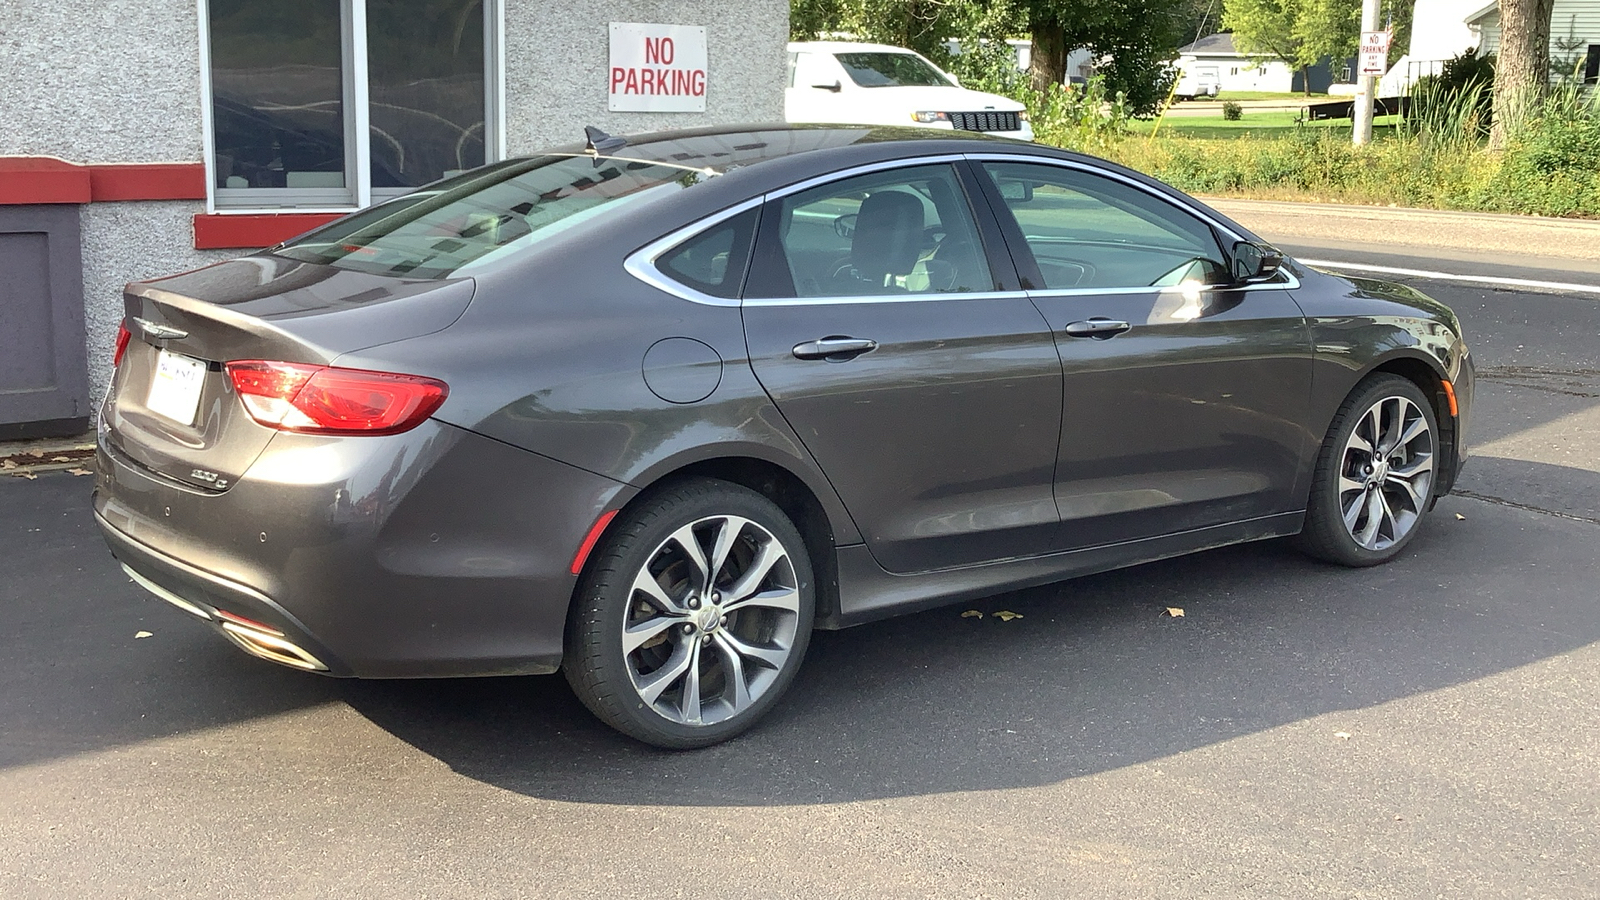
[(358, 192), (641, 263)]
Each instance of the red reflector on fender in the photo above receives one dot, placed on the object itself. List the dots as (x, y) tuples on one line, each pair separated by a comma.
[(122, 345), (590, 539), (327, 400)]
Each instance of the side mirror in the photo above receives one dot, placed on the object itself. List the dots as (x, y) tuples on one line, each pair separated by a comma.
[(836, 87), (1016, 191), (1254, 263)]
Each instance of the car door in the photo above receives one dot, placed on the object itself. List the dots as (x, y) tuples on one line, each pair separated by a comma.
[(893, 338), (1185, 400)]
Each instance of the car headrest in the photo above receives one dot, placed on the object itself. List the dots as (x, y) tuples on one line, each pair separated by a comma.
[(888, 236)]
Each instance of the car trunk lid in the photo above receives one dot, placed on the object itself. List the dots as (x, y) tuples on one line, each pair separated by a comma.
[(171, 409)]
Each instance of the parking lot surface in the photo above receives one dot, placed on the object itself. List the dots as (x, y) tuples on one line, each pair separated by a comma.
[(1427, 728)]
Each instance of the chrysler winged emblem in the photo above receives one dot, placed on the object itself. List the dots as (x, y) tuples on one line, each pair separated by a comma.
[(158, 332)]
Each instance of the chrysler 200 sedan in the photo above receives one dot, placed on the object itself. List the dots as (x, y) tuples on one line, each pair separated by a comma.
[(648, 411)]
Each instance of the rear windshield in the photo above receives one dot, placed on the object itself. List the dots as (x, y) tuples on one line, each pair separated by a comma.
[(891, 70), (486, 215)]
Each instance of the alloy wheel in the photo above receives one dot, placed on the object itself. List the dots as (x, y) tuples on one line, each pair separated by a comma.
[(1386, 473), (711, 621)]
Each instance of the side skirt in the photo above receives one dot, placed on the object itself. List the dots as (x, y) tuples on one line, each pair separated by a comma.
[(868, 593)]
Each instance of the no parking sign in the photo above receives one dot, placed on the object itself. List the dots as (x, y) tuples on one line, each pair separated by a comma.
[(657, 68)]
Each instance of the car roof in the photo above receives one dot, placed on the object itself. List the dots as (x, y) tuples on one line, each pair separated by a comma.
[(846, 47)]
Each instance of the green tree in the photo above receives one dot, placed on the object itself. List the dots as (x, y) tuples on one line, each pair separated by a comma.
[(1132, 41), (1300, 33), (1522, 74)]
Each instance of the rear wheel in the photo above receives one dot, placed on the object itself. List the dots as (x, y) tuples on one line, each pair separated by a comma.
[(1374, 477), (695, 617)]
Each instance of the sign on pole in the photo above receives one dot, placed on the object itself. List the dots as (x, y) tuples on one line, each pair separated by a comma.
[(1374, 61), (657, 68)]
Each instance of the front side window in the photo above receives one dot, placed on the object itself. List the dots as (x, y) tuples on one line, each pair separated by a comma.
[(310, 109), (1088, 231), (485, 216), (891, 70), (906, 231)]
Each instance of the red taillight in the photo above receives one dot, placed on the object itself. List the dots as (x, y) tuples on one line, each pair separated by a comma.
[(328, 400), (122, 345)]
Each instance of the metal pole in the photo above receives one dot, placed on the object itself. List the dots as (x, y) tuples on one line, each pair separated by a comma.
[(1367, 85)]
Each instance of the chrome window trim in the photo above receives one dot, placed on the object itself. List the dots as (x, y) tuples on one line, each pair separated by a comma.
[(641, 264)]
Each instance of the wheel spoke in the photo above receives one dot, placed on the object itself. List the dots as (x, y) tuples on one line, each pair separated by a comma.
[(787, 599), (771, 657), (1416, 429), (690, 705), (1369, 532), (646, 583), (1422, 462), (690, 545), (769, 555), (1348, 484), (1386, 516), (652, 686), (1373, 421), (1352, 512), (638, 634), (1388, 438), (727, 535), (733, 671), (1408, 487)]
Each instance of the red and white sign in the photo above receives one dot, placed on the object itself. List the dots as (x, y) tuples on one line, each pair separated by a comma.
[(657, 68), (1374, 54)]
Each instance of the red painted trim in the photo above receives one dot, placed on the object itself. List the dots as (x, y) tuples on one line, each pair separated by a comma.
[(42, 179), (249, 231), (148, 181), (589, 540)]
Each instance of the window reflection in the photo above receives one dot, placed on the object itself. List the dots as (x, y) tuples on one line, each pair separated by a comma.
[(426, 89), (277, 93)]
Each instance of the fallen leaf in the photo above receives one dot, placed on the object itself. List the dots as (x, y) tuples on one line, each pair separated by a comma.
[(61, 459), (36, 454), (1175, 611), (79, 472), (8, 464), (1342, 735), (1006, 615), (28, 475), (972, 614), (1461, 517), (142, 634)]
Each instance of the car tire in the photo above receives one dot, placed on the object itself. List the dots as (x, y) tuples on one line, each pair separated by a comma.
[(675, 657), (1373, 482)]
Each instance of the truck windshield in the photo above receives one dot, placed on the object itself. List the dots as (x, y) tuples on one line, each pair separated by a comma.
[(891, 70), (486, 214)]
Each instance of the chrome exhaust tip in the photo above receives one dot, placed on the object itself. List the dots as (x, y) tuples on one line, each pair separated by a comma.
[(271, 647)]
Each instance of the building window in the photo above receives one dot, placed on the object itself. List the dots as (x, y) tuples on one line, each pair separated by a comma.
[(329, 104), (1591, 66)]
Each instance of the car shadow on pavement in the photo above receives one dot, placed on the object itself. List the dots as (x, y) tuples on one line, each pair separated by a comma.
[(1095, 675)]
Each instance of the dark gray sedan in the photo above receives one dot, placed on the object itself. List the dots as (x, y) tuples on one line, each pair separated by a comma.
[(649, 411)]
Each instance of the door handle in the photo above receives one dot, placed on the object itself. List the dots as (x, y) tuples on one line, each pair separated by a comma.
[(1099, 328), (834, 349)]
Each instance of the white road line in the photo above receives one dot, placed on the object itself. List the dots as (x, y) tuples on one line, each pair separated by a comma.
[(1450, 276)]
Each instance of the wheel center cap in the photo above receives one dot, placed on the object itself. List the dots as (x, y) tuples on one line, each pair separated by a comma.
[(1380, 471), (708, 618)]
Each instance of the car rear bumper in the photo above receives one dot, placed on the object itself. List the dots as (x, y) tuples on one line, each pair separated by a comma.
[(438, 552)]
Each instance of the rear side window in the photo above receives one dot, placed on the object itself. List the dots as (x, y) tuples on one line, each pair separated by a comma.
[(713, 261), (487, 214)]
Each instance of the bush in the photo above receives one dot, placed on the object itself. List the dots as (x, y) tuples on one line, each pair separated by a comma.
[(1232, 111)]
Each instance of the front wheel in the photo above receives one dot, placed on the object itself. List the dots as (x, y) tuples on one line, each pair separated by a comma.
[(1374, 477), (694, 618)]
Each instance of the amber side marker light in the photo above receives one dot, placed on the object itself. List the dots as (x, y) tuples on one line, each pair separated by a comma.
[(1450, 395)]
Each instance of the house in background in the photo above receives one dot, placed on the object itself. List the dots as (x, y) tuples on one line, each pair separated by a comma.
[(1574, 37), (1238, 71)]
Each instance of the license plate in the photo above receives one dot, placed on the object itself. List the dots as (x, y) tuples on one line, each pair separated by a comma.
[(175, 390)]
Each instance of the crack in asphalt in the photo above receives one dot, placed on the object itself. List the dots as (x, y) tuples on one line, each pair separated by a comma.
[(1501, 501), (1574, 382)]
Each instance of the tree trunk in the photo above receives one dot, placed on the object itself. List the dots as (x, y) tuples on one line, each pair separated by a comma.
[(1047, 63), (1522, 71)]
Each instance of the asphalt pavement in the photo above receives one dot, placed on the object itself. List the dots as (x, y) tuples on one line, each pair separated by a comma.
[(1429, 728)]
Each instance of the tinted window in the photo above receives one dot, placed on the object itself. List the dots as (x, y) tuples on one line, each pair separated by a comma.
[(486, 214), (713, 261), (891, 70), (908, 231), (1089, 231), (425, 79)]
